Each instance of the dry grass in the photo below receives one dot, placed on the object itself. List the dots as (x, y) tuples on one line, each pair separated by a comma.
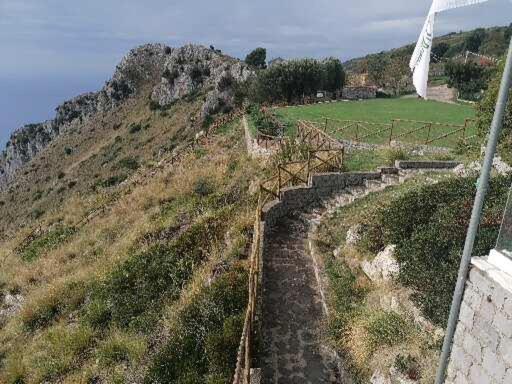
[(47, 339)]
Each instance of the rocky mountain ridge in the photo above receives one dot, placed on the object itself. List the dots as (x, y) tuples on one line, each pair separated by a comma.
[(171, 74)]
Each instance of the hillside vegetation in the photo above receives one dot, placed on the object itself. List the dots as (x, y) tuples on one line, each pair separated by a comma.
[(397, 324), (123, 247)]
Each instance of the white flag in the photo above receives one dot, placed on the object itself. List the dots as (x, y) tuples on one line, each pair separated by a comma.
[(420, 60)]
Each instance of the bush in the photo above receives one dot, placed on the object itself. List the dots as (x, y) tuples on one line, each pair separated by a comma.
[(226, 82), (393, 154), (112, 181), (408, 366), (136, 288), (429, 226), (170, 75), (203, 187), (469, 78), (134, 128), (203, 347), (68, 151), (485, 114), (154, 105), (45, 243), (386, 329), (265, 121), (129, 163)]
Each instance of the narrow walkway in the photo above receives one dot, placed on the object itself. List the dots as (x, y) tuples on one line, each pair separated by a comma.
[(293, 312)]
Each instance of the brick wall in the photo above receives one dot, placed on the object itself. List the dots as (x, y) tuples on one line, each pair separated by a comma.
[(482, 346)]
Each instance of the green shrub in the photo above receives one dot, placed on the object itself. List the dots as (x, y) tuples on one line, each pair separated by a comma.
[(53, 305), (170, 75), (264, 121), (112, 181), (68, 151), (386, 329), (293, 80), (204, 345), (408, 366), (45, 243), (129, 163), (394, 154), (203, 187), (134, 128), (429, 225), (136, 288)]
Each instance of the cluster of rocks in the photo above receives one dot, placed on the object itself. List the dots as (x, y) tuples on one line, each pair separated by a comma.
[(473, 169), (192, 69), (173, 74), (10, 304)]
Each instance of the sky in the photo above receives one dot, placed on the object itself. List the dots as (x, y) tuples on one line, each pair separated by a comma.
[(52, 50)]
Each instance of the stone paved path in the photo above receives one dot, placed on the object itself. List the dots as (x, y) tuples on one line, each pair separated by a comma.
[(293, 312)]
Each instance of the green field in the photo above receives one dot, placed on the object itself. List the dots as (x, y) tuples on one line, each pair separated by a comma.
[(383, 111)]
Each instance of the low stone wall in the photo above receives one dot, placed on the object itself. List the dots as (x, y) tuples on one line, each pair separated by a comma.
[(482, 346), (411, 165), (356, 93), (321, 187)]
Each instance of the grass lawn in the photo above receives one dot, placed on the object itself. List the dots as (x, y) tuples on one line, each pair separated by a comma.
[(384, 111)]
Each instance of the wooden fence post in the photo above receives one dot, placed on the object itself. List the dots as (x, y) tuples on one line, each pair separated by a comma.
[(464, 130), (279, 181), (428, 133), (391, 132)]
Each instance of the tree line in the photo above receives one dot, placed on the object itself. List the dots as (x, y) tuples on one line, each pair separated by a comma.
[(292, 80)]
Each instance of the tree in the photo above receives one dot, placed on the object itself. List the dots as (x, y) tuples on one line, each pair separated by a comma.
[(469, 78), (508, 33), (377, 67), (485, 113), (257, 58), (334, 75), (439, 50), (474, 40), (294, 79)]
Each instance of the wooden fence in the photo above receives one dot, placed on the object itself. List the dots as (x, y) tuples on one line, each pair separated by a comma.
[(324, 154), (412, 131)]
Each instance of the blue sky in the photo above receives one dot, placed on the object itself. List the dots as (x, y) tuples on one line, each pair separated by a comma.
[(55, 49)]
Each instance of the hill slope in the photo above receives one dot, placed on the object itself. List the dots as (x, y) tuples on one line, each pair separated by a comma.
[(491, 42), (123, 243)]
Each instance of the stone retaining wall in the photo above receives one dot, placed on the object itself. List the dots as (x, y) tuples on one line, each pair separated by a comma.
[(482, 346), (357, 93)]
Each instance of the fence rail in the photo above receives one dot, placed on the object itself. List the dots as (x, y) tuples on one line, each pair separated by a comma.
[(414, 131), (324, 154)]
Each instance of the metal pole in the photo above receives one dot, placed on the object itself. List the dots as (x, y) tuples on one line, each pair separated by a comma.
[(483, 184)]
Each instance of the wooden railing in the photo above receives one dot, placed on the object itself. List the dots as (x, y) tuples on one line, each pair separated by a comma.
[(326, 156), (415, 131)]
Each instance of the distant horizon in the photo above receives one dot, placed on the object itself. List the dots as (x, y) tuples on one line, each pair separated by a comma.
[(53, 56)]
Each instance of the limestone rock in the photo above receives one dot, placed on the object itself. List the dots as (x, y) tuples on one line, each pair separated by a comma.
[(379, 378), (384, 267), (500, 166), (10, 305), (354, 235), (192, 69)]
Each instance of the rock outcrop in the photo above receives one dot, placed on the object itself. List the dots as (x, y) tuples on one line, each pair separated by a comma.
[(192, 69), (384, 267), (172, 74)]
